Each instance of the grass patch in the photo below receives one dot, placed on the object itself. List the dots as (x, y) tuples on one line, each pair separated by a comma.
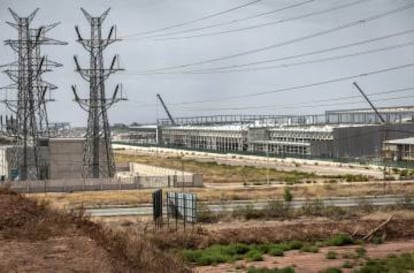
[(331, 255), (332, 270), (403, 263), (229, 253), (309, 248), (340, 240), (270, 270)]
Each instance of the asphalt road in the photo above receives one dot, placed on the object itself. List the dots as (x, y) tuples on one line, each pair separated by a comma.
[(146, 210)]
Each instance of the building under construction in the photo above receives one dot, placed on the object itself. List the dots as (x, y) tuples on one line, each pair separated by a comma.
[(352, 133)]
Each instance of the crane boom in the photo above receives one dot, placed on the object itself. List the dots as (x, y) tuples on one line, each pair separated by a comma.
[(370, 103), (166, 110)]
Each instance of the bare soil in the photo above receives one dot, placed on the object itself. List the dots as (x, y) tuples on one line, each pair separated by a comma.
[(35, 238)]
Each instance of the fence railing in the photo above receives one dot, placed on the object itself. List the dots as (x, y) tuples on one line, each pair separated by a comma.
[(128, 183)]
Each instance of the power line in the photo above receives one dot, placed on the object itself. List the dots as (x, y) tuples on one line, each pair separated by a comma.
[(287, 65), (194, 20), (292, 41), (311, 102), (304, 86), (306, 54), (243, 19), (296, 105), (274, 22)]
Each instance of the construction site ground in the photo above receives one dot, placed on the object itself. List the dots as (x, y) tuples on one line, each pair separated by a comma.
[(316, 262), (35, 238), (398, 235)]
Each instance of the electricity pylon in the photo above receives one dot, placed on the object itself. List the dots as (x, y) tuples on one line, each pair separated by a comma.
[(29, 104), (97, 162)]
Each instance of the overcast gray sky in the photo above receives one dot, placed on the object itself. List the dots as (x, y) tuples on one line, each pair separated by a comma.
[(137, 55)]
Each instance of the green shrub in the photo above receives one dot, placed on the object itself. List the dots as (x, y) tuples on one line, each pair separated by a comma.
[(287, 195), (340, 240), (254, 255), (238, 249), (292, 245), (332, 270), (309, 248), (331, 255), (403, 263), (276, 251), (347, 264), (267, 270), (360, 251)]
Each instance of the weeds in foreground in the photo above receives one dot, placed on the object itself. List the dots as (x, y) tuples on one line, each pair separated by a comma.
[(403, 263), (229, 253), (270, 270)]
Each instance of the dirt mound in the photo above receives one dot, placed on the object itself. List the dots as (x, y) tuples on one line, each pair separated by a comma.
[(34, 238)]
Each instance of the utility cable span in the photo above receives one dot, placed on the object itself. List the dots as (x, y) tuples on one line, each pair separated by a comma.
[(170, 36), (243, 19), (312, 102), (304, 86), (288, 65), (194, 20), (289, 42)]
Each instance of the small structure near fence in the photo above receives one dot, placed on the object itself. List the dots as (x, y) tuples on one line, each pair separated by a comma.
[(180, 207)]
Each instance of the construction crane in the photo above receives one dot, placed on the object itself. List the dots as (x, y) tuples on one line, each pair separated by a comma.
[(166, 110), (370, 103), (383, 122)]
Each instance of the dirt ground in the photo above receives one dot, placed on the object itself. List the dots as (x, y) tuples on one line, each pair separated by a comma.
[(59, 254), (35, 238), (314, 262)]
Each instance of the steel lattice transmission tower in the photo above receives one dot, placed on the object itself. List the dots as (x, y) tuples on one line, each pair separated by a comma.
[(29, 98), (97, 161)]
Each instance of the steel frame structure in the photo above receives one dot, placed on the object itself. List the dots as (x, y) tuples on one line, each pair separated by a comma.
[(29, 104), (97, 105)]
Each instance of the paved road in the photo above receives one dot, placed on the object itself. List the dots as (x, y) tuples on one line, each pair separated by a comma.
[(146, 210)]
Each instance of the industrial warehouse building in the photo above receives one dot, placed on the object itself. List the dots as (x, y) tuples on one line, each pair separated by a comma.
[(327, 141), (354, 133)]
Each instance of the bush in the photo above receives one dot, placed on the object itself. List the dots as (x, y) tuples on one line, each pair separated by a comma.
[(276, 251), (267, 270), (360, 252), (254, 255), (331, 255), (340, 240), (309, 248), (293, 245), (332, 270), (347, 264), (399, 264), (287, 195)]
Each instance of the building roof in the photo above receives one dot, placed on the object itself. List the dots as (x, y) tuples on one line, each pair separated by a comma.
[(405, 141)]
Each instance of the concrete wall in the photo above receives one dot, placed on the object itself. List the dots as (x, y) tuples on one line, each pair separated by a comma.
[(66, 156)]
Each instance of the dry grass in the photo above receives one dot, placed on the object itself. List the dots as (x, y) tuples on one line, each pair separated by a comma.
[(309, 231), (26, 220), (136, 197), (213, 172)]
